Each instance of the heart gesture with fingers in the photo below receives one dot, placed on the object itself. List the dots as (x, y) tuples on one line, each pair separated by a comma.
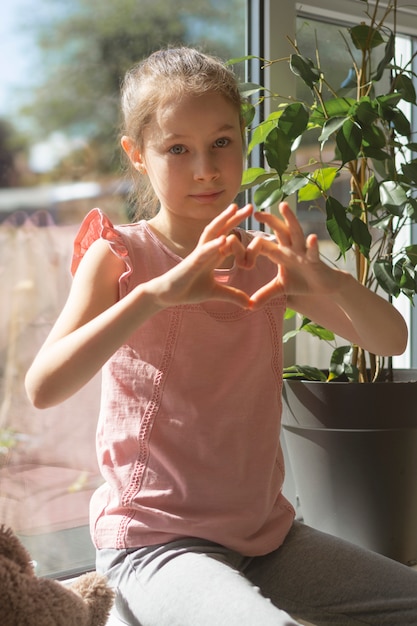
[(300, 270)]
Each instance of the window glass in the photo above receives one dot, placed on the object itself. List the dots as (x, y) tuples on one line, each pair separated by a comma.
[(323, 43), (62, 63)]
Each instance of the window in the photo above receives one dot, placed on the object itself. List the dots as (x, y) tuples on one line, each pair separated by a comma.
[(59, 158), (323, 31), (303, 19)]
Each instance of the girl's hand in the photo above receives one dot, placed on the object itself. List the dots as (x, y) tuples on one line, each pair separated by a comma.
[(331, 297), (300, 270), (193, 280)]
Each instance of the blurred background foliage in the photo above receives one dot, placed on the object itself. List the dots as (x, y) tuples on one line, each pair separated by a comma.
[(83, 49)]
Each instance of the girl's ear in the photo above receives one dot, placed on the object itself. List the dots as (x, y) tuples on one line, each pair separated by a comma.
[(133, 154)]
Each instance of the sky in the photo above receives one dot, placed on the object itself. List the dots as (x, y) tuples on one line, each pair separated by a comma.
[(16, 54), (18, 69)]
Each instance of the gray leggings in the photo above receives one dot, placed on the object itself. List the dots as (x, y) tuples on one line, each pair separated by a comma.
[(314, 576)]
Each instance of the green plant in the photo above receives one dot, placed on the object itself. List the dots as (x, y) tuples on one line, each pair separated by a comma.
[(372, 144)]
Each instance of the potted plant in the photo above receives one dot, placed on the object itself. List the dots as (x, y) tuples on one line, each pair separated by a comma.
[(357, 445)]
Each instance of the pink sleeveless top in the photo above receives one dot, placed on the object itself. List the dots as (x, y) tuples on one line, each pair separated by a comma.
[(189, 426)]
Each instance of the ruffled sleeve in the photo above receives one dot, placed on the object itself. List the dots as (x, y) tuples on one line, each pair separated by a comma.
[(96, 225)]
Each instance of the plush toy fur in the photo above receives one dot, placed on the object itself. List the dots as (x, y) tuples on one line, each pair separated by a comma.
[(26, 600)]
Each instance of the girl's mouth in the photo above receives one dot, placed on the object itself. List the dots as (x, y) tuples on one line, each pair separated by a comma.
[(207, 197)]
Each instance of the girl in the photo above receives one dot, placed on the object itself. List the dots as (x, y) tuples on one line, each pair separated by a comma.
[(183, 313)]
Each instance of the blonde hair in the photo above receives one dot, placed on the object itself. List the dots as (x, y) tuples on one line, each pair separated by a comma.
[(168, 75)]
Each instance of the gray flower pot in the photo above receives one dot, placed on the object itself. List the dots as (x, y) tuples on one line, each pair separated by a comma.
[(353, 454)]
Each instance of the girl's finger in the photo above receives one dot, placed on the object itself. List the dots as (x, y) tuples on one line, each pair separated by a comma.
[(226, 221), (288, 230), (235, 248), (256, 247), (265, 247), (312, 244), (297, 234), (276, 224), (265, 293), (232, 295)]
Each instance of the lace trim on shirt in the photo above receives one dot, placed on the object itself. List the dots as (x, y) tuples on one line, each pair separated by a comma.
[(146, 427), (235, 312)]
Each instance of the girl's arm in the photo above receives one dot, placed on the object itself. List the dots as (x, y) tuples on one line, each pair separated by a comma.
[(330, 297), (357, 314), (94, 323)]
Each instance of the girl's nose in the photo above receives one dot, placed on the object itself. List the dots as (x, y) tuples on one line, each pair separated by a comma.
[(205, 168)]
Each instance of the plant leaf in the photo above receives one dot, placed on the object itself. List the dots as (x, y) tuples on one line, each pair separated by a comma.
[(320, 180), (410, 170), (268, 193), (310, 327), (260, 133), (384, 62), (371, 192), (293, 184), (405, 275), (254, 176), (318, 331), (338, 107), (373, 137), (386, 105), (364, 37), (365, 112), (411, 252), (401, 123), (393, 196), (304, 372), (331, 126), (349, 141), (248, 89), (339, 360), (289, 313), (247, 111), (375, 153), (361, 236), (294, 120), (384, 275), (289, 335), (305, 69), (244, 58), (338, 225), (277, 148), (405, 86)]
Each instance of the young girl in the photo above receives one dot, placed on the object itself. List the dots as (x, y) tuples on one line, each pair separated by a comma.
[(183, 313)]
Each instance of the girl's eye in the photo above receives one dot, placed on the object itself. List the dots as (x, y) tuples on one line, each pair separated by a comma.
[(222, 142), (177, 149)]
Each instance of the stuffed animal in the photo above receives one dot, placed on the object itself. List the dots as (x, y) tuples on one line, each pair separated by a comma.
[(27, 600)]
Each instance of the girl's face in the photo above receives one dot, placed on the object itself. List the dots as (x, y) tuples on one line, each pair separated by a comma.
[(193, 155)]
